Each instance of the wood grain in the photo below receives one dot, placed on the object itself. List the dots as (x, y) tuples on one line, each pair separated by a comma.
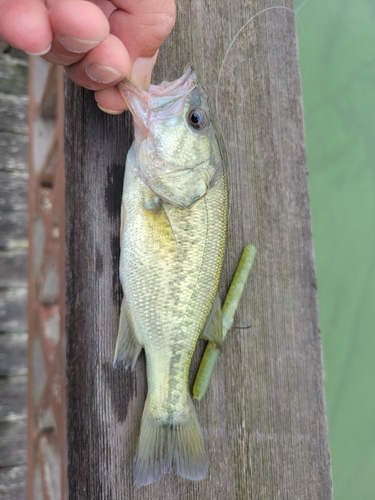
[(13, 354), (13, 310), (264, 416), (13, 398), (13, 75), (13, 151), (13, 229), (13, 268), (13, 482), (13, 293), (13, 442), (14, 184), (13, 112)]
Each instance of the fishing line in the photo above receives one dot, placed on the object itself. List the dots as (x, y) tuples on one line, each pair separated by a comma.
[(217, 94), (232, 43), (300, 6), (221, 71), (243, 327)]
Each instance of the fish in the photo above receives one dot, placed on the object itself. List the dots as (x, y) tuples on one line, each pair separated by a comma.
[(173, 233)]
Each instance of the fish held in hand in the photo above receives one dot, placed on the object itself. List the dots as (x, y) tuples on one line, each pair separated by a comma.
[(173, 232)]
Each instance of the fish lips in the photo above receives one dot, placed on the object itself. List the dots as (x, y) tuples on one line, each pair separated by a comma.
[(161, 102)]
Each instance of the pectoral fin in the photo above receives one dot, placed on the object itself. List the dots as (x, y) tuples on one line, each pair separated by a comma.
[(213, 327), (127, 346)]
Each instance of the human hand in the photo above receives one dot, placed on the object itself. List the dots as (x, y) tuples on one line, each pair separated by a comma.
[(99, 42)]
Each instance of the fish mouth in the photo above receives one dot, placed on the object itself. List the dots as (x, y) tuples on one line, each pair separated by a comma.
[(158, 96), (165, 94), (160, 101)]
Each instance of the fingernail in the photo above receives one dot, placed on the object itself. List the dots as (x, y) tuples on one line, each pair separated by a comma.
[(110, 111), (78, 45), (141, 71), (41, 53), (102, 74)]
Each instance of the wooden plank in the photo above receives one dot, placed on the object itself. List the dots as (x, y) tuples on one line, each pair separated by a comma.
[(13, 112), (13, 237), (13, 310), (13, 75), (14, 190), (13, 229), (13, 268), (13, 443), (13, 482), (13, 348), (264, 416), (13, 398), (13, 151)]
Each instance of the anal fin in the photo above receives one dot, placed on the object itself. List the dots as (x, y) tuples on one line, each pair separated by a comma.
[(127, 346)]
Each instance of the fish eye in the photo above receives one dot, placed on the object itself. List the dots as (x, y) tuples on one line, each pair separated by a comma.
[(197, 118)]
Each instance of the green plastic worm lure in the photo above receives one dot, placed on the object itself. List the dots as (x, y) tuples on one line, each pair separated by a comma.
[(227, 313)]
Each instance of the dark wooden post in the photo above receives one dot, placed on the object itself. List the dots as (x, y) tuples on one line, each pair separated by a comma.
[(264, 415)]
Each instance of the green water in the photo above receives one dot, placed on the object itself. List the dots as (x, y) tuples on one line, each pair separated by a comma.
[(337, 57)]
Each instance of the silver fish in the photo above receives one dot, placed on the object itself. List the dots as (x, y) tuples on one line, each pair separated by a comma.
[(173, 232)]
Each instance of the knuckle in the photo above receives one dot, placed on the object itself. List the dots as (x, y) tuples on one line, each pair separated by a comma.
[(163, 26)]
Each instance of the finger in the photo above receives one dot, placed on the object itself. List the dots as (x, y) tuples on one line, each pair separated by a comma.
[(78, 26), (110, 101), (25, 25), (141, 71), (105, 6), (142, 25), (104, 66)]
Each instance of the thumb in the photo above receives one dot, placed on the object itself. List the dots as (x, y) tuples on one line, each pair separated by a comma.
[(25, 25)]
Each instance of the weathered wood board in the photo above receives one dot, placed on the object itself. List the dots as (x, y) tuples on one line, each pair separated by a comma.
[(13, 76), (13, 291), (263, 418), (13, 268), (12, 482), (13, 442), (13, 112), (14, 184), (13, 348), (13, 151), (13, 397), (13, 310)]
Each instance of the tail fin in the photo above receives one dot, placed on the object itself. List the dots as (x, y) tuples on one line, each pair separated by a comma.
[(162, 446)]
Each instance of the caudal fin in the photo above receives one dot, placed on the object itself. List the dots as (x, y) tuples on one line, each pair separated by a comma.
[(164, 446)]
